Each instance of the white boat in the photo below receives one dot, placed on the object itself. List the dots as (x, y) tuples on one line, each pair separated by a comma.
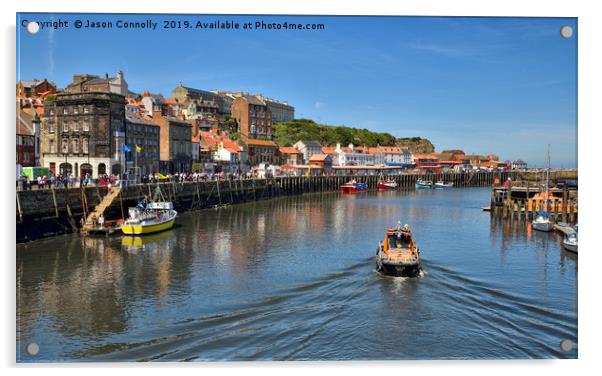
[(570, 242), (442, 185), (542, 223)]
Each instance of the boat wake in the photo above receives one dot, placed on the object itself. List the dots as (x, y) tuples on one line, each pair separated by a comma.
[(277, 327)]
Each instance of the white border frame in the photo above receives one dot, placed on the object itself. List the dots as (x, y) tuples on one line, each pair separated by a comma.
[(589, 23)]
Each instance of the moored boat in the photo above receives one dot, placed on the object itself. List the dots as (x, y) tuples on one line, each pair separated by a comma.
[(570, 242), (542, 220), (442, 185), (386, 184), (564, 228), (353, 186), (157, 215), (542, 223), (422, 184), (397, 255)]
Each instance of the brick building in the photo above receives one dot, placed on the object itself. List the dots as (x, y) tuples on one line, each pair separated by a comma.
[(290, 156), (27, 143), (83, 133), (142, 136), (184, 95), (254, 120), (83, 83), (34, 88), (175, 143), (281, 110)]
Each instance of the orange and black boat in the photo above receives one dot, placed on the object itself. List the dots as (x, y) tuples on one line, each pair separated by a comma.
[(397, 255)]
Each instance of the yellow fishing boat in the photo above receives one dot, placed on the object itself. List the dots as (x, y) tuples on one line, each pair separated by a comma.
[(148, 222), (154, 217)]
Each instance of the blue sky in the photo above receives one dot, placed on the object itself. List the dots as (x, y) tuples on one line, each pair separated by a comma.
[(500, 85)]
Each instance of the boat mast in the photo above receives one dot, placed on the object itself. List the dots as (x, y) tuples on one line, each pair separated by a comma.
[(548, 185)]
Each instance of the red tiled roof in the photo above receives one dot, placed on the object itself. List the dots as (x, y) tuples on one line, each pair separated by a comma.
[(425, 156), (328, 149), (289, 150), (318, 157), (256, 142), (169, 101), (23, 126)]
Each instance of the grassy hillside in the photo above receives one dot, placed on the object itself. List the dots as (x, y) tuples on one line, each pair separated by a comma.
[(304, 129)]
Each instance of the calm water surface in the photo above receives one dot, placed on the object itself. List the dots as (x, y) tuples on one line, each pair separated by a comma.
[(293, 279)]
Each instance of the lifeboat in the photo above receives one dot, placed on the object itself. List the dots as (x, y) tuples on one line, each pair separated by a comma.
[(397, 255), (353, 186)]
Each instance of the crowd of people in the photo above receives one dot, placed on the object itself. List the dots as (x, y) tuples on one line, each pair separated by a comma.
[(66, 181), (71, 181)]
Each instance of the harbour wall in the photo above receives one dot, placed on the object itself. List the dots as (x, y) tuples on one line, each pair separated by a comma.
[(49, 212)]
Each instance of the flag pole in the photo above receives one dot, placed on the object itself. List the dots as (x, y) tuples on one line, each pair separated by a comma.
[(136, 164)]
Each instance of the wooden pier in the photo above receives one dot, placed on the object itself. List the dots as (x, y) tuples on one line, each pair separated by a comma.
[(523, 200)]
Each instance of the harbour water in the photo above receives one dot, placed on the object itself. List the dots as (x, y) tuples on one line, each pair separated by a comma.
[(293, 278)]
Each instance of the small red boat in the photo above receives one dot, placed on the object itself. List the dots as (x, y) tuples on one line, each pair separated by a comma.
[(353, 186), (386, 185)]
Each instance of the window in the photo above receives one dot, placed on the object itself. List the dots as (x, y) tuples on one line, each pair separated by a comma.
[(50, 127), (86, 110), (65, 126), (51, 112), (51, 147), (86, 125), (76, 125), (75, 146), (65, 111), (65, 146), (75, 110)]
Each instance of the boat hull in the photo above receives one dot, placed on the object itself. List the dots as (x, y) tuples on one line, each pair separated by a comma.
[(396, 270), (386, 186), (354, 188), (542, 226), (423, 186), (571, 247), (143, 229)]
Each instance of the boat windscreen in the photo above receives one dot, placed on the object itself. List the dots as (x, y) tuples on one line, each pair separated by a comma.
[(399, 241)]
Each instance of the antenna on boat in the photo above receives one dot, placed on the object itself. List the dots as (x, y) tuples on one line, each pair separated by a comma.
[(548, 185)]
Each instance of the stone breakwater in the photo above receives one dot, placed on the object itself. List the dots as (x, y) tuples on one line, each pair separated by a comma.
[(49, 212)]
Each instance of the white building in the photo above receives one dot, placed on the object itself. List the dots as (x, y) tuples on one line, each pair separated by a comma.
[(391, 155), (349, 156), (308, 149)]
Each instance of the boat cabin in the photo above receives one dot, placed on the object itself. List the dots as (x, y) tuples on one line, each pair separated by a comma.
[(399, 239)]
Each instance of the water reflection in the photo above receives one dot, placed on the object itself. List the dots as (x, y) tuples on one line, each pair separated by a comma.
[(293, 278)]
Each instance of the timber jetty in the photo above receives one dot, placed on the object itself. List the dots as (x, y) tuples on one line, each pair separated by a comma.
[(49, 212), (523, 199)]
